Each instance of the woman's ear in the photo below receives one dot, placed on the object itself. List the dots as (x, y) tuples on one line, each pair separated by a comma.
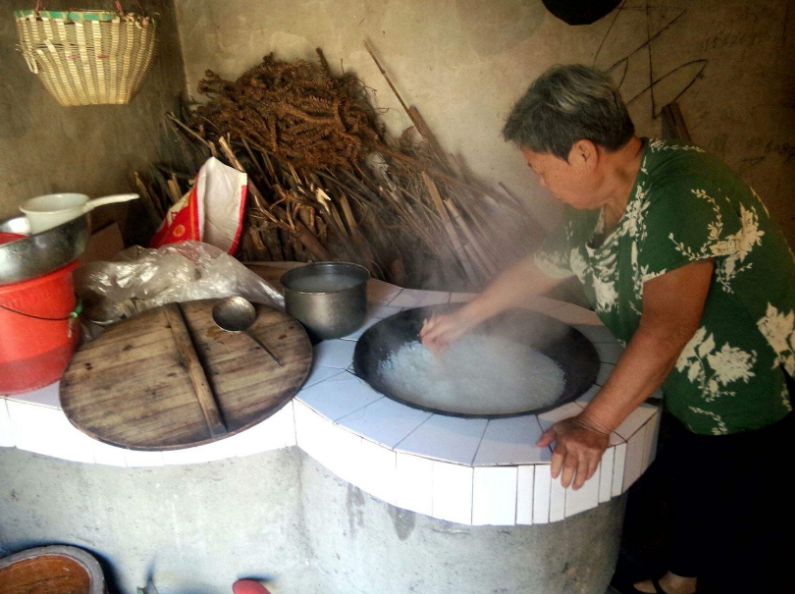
[(585, 154)]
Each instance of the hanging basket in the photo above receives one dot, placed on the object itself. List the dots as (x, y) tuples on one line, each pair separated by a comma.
[(87, 57)]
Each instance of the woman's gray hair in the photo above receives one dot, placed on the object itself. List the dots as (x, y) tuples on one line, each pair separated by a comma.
[(566, 104)]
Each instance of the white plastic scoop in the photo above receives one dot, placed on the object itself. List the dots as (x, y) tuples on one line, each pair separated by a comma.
[(51, 210)]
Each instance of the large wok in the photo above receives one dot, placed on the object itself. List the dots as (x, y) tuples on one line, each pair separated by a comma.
[(572, 351)]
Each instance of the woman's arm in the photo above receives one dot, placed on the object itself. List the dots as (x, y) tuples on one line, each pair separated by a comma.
[(672, 308), (511, 288)]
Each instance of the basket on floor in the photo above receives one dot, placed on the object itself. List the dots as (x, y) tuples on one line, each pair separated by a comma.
[(87, 57)]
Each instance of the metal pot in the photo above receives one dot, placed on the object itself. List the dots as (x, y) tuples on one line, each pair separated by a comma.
[(328, 298), (40, 253)]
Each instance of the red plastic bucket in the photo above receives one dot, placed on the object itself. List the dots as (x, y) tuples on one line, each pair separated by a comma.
[(38, 330)]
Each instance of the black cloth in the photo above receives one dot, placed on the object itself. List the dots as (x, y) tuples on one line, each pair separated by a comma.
[(732, 508), (580, 12)]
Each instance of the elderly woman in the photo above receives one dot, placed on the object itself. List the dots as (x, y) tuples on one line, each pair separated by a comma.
[(680, 260)]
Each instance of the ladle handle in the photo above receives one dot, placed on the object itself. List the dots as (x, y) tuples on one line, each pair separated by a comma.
[(263, 347), (211, 408), (92, 204)]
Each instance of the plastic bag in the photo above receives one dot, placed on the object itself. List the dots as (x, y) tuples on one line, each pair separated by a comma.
[(144, 278), (212, 211)]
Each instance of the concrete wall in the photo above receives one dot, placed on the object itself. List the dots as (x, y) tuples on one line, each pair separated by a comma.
[(93, 149), (464, 62)]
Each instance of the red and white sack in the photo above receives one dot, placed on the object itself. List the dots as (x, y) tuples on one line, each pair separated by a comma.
[(212, 211)]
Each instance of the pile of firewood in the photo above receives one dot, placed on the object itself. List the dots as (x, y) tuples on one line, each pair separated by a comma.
[(327, 183)]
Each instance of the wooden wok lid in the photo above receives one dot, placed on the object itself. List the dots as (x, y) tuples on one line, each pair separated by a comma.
[(170, 378)]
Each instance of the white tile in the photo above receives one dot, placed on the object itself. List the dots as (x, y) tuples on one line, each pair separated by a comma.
[(635, 420), (6, 432), (334, 447), (385, 421), (342, 454), (605, 369), (609, 352), (565, 411), (75, 445), (46, 396), (310, 429), (334, 353), (633, 465), (319, 374), (45, 430), (494, 496), (233, 446), (574, 314), (135, 458), (542, 482), (36, 428), (410, 298), (616, 439), (107, 454), (586, 397), (454, 439), (462, 297), (596, 333), (382, 292), (377, 472), (275, 432), (339, 396), (524, 494), (511, 441), (414, 483), (606, 475), (452, 492), (557, 500), (617, 488), (584, 498)]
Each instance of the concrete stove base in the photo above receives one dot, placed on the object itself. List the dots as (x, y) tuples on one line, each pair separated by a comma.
[(362, 545), (197, 528)]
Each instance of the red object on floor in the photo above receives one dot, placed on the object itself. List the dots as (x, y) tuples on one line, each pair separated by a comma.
[(249, 587)]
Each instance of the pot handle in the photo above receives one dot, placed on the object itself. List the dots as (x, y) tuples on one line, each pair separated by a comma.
[(92, 204)]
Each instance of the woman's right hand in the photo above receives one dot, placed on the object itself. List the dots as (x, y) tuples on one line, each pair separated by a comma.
[(438, 332)]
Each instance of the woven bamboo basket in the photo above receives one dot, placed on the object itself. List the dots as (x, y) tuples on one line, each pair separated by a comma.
[(87, 57)]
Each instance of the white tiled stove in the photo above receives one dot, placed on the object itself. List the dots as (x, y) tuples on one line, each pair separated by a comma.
[(471, 471)]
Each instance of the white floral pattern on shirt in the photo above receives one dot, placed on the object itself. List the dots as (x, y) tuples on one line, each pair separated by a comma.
[(712, 368), (779, 330)]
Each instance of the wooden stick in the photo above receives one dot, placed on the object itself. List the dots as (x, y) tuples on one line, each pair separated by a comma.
[(211, 408)]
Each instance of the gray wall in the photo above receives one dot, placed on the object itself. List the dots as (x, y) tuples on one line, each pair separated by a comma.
[(464, 62), (93, 149)]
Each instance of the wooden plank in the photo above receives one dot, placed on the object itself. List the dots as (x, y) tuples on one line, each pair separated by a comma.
[(190, 361)]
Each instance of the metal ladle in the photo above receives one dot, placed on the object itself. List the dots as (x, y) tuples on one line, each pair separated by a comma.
[(237, 314)]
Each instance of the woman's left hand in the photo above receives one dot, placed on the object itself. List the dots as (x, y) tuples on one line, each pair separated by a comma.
[(578, 449)]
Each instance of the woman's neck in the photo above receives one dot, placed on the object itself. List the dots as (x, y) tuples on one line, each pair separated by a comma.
[(621, 171)]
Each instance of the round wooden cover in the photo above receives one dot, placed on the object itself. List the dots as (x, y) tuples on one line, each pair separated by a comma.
[(171, 378)]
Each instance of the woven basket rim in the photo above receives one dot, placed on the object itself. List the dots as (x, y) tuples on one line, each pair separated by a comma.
[(79, 16)]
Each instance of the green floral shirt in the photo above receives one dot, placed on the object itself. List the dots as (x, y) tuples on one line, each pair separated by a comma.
[(687, 206)]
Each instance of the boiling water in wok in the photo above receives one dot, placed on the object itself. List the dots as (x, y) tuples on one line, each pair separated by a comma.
[(518, 363)]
